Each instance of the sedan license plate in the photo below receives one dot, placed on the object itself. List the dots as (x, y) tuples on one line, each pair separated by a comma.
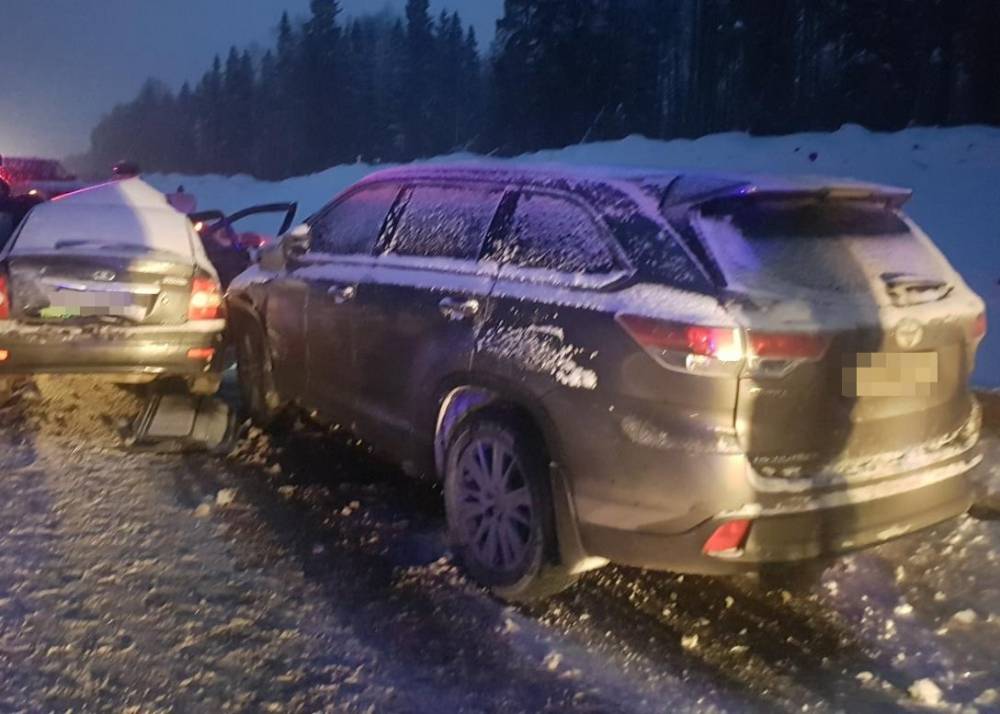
[(67, 304), (892, 374)]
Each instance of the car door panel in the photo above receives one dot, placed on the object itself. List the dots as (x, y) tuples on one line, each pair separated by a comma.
[(333, 370), (421, 310), (417, 325), (340, 257)]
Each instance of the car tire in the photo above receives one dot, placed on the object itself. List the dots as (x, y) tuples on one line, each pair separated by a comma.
[(253, 367), (499, 507)]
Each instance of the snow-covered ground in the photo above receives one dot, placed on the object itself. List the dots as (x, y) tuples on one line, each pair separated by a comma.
[(301, 575), (955, 174)]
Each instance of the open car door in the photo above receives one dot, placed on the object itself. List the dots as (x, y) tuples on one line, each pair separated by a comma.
[(232, 241)]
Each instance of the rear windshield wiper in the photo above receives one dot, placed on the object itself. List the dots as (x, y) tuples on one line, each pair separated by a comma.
[(124, 247), (59, 245), (906, 289)]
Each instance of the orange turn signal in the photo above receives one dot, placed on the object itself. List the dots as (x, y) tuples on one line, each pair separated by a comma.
[(4, 355), (204, 353)]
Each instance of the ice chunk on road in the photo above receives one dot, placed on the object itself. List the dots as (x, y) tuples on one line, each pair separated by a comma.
[(926, 692), (965, 617)]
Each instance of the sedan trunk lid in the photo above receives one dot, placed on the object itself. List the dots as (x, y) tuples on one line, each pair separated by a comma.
[(99, 287)]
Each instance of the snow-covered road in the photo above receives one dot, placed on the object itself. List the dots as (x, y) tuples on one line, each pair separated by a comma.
[(301, 575)]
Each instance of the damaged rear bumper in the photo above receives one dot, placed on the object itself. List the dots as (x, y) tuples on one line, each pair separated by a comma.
[(137, 352), (847, 508)]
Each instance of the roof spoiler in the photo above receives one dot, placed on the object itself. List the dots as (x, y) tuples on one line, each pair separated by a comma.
[(890, 195)]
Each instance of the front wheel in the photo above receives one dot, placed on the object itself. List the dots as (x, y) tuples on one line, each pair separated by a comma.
[(499, 508), (260, 399)]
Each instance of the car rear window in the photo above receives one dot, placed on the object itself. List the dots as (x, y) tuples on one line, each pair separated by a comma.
[(826, 246), (68, 226), (445, 222)]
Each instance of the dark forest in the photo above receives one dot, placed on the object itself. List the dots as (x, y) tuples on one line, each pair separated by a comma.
[(381, 88)]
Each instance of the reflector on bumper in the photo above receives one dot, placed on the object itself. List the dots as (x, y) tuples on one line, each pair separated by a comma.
[(728, 539)]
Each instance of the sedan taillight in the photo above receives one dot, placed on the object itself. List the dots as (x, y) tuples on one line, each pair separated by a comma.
[(206, 299), (4, 298)]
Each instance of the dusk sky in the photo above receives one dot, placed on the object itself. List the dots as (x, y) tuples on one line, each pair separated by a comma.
[(64, 63)]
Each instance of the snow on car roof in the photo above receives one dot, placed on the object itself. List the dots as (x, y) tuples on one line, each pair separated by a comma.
[(688, 184), (133, 192), (123, 214)]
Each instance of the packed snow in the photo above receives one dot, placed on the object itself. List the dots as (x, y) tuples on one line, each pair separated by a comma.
[(298, 574), (955, 175)]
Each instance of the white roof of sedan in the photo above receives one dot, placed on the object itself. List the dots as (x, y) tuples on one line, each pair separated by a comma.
[(132, 192), (124, 215)]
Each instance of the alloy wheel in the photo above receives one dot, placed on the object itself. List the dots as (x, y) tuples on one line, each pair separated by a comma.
[(495, 506)]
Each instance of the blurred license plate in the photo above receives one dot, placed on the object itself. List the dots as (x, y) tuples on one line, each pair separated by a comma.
[(892, 374), (66, 304)]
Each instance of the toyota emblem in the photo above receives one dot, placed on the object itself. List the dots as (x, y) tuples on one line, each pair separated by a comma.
[(909, 334)]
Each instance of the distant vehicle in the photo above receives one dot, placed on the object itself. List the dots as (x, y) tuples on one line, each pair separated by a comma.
[(231, 250), (705, 374), (39, 177), (111, 281)]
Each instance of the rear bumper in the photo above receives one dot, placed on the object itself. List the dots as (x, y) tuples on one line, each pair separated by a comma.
[(160, 351), (800, 528), (660, 500)]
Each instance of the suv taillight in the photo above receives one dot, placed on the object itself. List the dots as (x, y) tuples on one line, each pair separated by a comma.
[(4, 298), (723, 351), (206, 299)]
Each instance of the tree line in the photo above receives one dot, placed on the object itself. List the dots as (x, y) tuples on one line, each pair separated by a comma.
[(383, 87)]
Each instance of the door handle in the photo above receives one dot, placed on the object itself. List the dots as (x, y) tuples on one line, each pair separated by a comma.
[(458, 309), (342, 293)]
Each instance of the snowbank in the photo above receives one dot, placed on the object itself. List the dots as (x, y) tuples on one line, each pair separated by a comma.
[(955, 174)]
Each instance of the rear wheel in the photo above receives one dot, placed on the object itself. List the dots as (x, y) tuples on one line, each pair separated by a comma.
[(260, 399), (499, 509)]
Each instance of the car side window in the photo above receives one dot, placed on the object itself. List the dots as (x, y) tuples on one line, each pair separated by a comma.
[(553, 233), (352, 226), (445, 222)]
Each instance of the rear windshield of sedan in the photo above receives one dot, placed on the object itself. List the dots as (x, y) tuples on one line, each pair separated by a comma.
[(825, 246), (65, 226)]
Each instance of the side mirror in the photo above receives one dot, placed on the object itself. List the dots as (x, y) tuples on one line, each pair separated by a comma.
[(296, 242)]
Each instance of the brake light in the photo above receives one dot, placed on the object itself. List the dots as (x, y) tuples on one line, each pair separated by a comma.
[(201, 353), (206, 299), (4, 298), (787, 346), (719, 343), (723, 351), (727, 538), (980, 326)]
